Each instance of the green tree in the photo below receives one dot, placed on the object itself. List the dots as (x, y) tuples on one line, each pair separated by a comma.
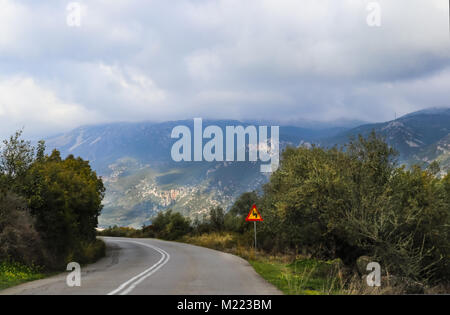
[(170, 225), (16, 157), (235, 217), (217, 218), (47, 205), (346, 203), (65, 198)]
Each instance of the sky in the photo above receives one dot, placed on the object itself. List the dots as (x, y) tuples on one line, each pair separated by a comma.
[(285, 60)]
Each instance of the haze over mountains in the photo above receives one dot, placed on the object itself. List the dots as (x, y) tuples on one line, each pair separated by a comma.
[(141, 179)]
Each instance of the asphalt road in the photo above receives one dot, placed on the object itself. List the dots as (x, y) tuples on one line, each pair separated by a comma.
[(149, 266)]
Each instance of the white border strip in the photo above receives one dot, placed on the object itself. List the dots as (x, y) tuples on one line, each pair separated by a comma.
[(131, 284)]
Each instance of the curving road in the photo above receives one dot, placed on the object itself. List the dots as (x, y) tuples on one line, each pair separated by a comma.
[(149, 266)]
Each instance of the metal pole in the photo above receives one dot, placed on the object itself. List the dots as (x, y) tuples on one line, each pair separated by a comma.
[(254, 222)]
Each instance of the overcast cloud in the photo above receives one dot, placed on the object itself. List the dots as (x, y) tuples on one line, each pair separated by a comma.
[(253, 59)]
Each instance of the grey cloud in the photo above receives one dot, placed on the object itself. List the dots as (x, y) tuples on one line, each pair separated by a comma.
[(255, 59)]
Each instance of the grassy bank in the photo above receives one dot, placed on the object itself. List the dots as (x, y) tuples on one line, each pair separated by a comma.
[(12, 273), (302, 276)]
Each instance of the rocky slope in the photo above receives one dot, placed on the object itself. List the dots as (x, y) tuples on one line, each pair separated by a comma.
[(141, 179)]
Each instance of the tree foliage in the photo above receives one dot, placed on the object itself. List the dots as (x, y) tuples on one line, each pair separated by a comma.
[(61, 199), (168, 225), (18, 237), (235, 217), (355, 201)]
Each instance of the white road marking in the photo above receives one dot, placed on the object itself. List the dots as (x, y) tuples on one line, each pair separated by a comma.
[(129, 285)]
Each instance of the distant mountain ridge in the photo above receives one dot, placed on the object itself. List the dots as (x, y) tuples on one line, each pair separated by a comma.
[(150, 142), (141, 179), (412, 135)]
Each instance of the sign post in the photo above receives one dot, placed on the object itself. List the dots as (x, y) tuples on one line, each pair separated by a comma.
[(254, 216), (254, 225)]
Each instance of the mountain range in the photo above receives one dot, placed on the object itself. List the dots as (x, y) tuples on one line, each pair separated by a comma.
[(420, 137), (141, 179)]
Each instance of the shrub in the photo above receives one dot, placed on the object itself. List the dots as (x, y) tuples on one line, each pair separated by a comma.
[(116, 231), (170, 226), (19, 240), (88, 252), (335, 203), (235, 217)]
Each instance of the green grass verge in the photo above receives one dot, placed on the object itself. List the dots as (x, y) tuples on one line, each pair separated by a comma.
[(12, 274), (302, 277)]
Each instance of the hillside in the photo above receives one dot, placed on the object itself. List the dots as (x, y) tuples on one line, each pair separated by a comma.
[(420, 137), (141, 179)]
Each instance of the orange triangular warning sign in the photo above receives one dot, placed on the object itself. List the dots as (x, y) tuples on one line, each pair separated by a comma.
[(254, 215)]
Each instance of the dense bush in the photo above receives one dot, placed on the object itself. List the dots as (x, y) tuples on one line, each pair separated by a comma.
[(217, 219), (235, 217), (65, 198), (88, 252), (116, 231), (353, 202), (18, 237), (49, 206), (168, 225)]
